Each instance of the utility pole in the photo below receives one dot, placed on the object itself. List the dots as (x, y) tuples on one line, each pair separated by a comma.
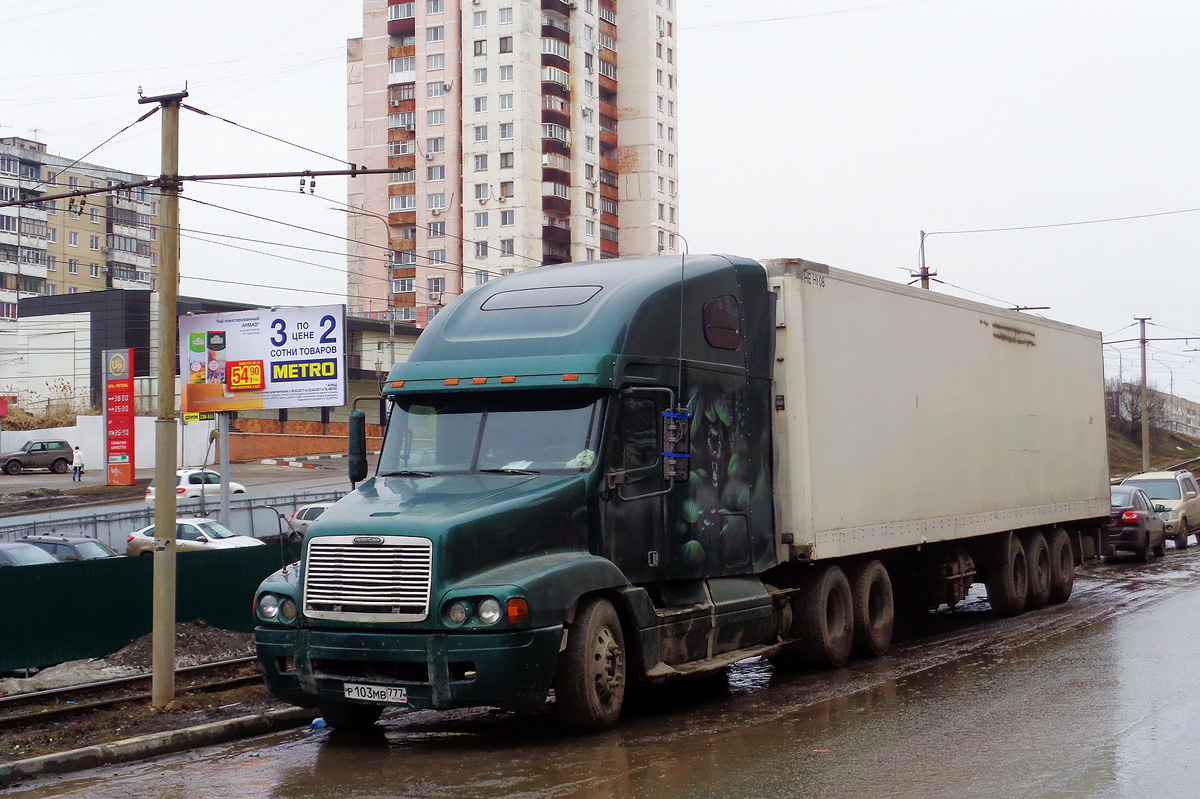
[(163, 624), (1145, 407), (924, 272)]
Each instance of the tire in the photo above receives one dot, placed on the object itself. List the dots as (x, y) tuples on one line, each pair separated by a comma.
[(1144, 554), (1008, 583), (12, 467), (824, 621), (590, 683), (1037, 560), (145, 552), (1062, 566), (1182, 536), (1160, 551), (60, 466), (350, 717), (874, 608)]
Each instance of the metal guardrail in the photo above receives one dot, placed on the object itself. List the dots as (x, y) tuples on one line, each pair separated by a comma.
[(113, 528)]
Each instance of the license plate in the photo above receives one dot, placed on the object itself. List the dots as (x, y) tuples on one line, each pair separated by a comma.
[(375, 693)]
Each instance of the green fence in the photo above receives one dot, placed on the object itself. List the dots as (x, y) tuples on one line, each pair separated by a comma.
[(68, 611)]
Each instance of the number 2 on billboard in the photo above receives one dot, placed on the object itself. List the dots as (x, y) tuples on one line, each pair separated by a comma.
[(328, 322)]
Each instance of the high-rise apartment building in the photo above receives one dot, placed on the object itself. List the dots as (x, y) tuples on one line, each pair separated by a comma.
[(63, 247), (516, 136)]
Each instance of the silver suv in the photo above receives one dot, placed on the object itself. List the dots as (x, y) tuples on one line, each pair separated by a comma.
[(1176, 497), (52, 455)]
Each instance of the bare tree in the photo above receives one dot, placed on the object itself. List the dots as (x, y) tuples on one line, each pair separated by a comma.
[(1123, 405)]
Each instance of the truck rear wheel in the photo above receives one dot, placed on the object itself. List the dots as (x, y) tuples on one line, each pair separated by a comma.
[(1037, 558), (589, 688), (1062, 566), (874, 608), (824, 623), (349, 717), (1008, 582)]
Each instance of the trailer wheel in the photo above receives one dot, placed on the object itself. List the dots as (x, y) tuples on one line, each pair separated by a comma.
[(1008, 583), (349, 717), (1037, 558), (824, 624), (589, 688), (1062, 566), (874, 608)]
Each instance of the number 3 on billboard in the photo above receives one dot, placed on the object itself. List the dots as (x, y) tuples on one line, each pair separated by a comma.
[(280, 337)]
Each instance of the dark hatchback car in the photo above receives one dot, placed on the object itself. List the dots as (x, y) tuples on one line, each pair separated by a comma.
[(71, 547), (14, 553), (1134, 524)]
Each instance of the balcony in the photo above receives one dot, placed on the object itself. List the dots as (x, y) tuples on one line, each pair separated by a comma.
[(559, 234), (558, 205), (557, 7), (401, 17)]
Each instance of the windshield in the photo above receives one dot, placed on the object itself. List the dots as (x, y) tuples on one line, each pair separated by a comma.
[(215, 530), (510, 433), (88, 550), (29, 555), (1157, 489)]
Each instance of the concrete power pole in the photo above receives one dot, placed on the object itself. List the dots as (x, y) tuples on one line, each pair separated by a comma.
[(1144, 400), (163, 624)]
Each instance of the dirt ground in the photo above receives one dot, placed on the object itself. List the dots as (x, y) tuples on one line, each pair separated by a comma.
[(195, 643), (37, 499)]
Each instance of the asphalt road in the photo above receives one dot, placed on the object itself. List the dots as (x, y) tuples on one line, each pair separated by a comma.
[(1094, 698)]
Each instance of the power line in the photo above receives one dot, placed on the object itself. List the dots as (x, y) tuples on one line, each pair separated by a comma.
[(267, 135), (1064, 224), (142, 118)]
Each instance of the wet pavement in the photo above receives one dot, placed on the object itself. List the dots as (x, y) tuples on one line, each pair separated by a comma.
[(1099, 697)]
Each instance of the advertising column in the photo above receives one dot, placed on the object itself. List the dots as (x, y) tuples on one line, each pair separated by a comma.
[(118, 417)]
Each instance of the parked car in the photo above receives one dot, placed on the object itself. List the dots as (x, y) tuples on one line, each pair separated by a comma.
[(14, 553), (52, 455), (192, 534), (1179, 495), (307, 514), (191, 483), (1134, 524), (71, 547)]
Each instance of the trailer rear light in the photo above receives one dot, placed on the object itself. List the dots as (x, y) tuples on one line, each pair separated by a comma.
[(518, 611), (1129, 516)]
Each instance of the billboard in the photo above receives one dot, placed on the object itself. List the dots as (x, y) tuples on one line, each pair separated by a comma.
[(118, 417), (263, 358)]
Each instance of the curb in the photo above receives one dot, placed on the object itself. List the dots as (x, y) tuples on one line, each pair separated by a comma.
[(162, 743), (301, 461)]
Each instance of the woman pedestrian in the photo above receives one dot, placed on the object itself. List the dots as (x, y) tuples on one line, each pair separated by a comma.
[(77, 465)]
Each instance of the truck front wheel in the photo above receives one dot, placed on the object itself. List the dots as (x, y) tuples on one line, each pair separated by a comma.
[(349, 717), (825, 621), (589, 688)]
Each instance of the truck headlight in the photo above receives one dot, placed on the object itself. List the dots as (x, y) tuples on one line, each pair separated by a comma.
[(287, 610), (489, 611), (268, 606), (457, 613)]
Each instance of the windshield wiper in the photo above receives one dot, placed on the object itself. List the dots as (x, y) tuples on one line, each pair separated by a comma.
[(509, 471), (406, 473)]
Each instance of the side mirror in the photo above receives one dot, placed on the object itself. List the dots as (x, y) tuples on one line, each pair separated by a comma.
[(1190, 495), (1160, 508), (357, 460)]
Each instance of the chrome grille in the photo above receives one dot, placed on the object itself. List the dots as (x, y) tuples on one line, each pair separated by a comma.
[(384, 580)]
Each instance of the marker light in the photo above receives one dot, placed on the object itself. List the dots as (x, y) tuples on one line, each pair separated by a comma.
[(397, 384), (479, 381), (518, 611), (508, 379), (452, 381), (570, 376)]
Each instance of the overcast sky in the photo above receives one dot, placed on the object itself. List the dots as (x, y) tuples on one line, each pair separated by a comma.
[(833, 130)]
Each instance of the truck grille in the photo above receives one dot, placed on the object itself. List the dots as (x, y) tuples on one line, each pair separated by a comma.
[(368, 578)]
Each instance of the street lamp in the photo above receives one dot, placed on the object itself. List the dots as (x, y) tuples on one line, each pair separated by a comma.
[(391, 298), (686, 247)]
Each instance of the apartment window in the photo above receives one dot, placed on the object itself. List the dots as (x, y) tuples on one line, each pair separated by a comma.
[(435, 89), (436, 202), (658, 49), (437, 284), (506, 102), (660, 184), (660, 156), (480, 19), (506, 188), (590, 6), (432, 312), (506, 73), (481, 47), (670, 56), (438, 257), (437, 230), (480, 76), (672, 214), (508, 271), (671, 183), (481, 220), (670, 81), (481, 191), (589, 199), (481, 162), (608, 15), (435, 145), (671, 160), (508, 218), (72, 183), (506, 130), (506, 247), (507, 160), (52, 263), (402, 202), (506, 16), (660, 102), (73, 290), (403, 285), (608, 69), (433, 6), (401, 11), (589, 88), (670, 134), (406, 314), (437, 116), (95, 270), (659, 76), (660, 130), (404, 64), (408, 258), (662, 211), (506, 44), (589, 227), (405, 176), (435, 173), (482, 276), (589, 143), (52, 234), (400, 147), (72, 239), (481, 133), (481, 249), (73, 266), (435, 34), (480, 105), (560, 49), (435, 61), (95, 216)]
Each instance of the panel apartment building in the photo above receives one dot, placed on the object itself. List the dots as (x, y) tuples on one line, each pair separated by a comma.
[(64, 247), (517, 137)]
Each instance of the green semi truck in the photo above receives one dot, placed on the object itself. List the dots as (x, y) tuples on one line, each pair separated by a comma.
[(636, 470)]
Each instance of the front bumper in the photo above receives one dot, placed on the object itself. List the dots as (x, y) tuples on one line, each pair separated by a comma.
[(510, 670)]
